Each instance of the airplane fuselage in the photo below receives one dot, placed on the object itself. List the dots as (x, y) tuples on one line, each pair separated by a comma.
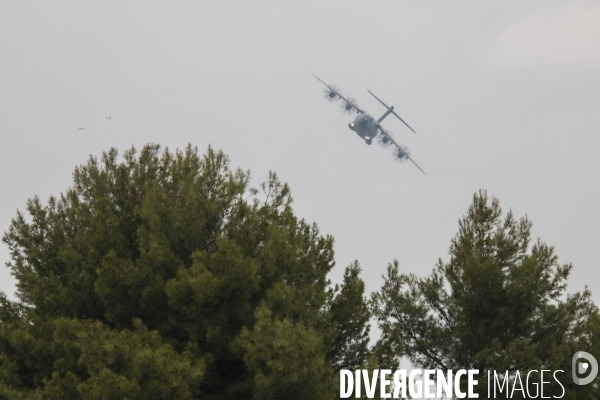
[(365, 126)]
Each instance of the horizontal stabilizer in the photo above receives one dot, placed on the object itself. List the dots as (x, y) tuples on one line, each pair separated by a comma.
[(393, 112)]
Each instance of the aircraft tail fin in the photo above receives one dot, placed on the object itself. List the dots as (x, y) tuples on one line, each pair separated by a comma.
[(390, 110)]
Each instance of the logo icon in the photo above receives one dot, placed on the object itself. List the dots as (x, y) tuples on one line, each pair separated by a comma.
[(580, 367)]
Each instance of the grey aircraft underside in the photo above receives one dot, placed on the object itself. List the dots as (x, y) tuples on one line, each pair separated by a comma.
[(367, 127)]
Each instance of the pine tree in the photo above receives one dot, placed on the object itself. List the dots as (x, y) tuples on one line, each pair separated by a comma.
[(161, 277), (498, 304), (350, 322)]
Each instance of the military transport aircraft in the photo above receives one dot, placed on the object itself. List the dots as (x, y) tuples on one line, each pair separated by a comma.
[(366, 126)]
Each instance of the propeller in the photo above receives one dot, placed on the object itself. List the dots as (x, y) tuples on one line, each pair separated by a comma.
[(402, 154), (349, 105), (383, 139), (331, 93)]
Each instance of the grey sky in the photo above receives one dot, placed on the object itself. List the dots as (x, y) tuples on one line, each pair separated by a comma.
[(505, 96)]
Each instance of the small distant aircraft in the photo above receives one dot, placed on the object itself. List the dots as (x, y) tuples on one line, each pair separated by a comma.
[(80, 129), (366, 126), (109, 117)]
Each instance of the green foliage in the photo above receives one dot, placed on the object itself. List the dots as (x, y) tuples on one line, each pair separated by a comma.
[(91, 361), (350, 317), (498, 304), (286, 359), (149, 279), (118, 364), (167, 276)]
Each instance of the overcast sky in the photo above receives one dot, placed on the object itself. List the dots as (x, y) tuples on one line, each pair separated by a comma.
[(504, 96)]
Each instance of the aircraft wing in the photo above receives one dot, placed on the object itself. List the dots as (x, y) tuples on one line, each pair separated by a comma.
[(338, 94), (400, 148)]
